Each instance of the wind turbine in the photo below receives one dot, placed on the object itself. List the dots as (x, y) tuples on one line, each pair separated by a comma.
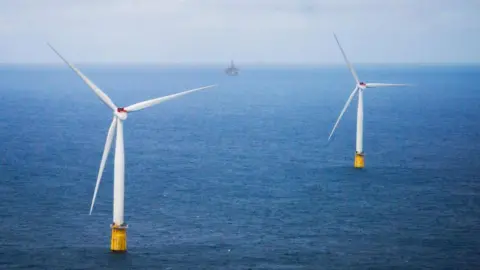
[(359, 88), (119, 234)]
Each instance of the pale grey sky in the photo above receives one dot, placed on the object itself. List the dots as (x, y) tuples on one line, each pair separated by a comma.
[(256, 31)]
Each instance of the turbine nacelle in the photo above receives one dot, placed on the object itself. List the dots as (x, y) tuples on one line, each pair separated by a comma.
[(121, 114), (362, 85)]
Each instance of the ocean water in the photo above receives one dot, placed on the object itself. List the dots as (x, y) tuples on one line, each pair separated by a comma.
[(241, 176)]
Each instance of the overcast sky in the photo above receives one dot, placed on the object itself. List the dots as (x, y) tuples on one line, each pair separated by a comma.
[(255, 31)]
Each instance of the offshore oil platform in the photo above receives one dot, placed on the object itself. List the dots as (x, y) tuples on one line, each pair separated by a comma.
[(232, 70)]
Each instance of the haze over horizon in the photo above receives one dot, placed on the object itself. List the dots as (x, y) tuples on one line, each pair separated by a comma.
[(248, 31)]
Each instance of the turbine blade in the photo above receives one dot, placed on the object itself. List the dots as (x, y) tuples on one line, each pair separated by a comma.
[(374, 85), (106, 151), (343, 111), (352, 70), (148, 103), (95, 88)]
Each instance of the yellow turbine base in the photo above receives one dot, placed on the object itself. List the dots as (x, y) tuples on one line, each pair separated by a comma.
[(359, 161), (118, 242)]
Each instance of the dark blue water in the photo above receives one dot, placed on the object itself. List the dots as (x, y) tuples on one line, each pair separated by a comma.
[(240, 176)]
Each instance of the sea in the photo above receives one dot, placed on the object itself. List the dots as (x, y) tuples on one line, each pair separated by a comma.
[(242, 176)]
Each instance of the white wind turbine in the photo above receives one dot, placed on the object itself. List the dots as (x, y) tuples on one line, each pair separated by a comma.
[(118, 240), (359, 88)]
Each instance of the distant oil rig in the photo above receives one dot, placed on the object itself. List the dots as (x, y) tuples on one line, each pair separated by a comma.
[(232, 70)]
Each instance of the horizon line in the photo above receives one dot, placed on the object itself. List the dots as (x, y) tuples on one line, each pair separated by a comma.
[(249, 63)]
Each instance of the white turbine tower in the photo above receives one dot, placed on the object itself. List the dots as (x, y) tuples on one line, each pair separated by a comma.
[(359, 88), (119, 239)]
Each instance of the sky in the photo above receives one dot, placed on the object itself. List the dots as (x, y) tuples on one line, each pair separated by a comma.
[(249, 31)]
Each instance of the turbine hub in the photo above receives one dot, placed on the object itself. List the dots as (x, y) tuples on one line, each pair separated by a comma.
[(121, 113), (362, 85)]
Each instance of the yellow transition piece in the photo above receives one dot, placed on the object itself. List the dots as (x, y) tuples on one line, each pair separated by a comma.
[(119, 238), (359, 161)]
